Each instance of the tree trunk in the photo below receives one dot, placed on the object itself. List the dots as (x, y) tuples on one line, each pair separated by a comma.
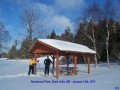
[(94, 42), (95, 57), (107, 45)]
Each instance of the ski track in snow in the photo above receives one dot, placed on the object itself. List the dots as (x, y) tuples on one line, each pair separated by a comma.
[(40, 74)]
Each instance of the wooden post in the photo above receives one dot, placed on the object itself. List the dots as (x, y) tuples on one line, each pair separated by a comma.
[(57, 66), (35, 70), (88, 58), (53, 64), (67, 60), (35, 66), (75, 66), (67, 57)]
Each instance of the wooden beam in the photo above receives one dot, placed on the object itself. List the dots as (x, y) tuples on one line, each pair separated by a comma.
[(57, 66), (42, 51), (67, 57), (37, 55), (53, 69), (88, 58), (55, 49), (75, 64)]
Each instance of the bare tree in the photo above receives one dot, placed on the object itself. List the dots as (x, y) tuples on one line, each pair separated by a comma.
[(41, 31), (4, 37), (94, 13), (108, 13), (30, 20)]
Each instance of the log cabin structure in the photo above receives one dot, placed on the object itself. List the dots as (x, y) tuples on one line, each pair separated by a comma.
[(57, 48)]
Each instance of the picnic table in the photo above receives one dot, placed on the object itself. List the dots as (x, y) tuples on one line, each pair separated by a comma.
[(69, 70)]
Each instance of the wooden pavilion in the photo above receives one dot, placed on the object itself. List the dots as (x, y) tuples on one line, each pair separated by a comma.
[(57, 48)]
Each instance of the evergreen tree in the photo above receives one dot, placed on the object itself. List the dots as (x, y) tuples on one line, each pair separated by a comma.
[(24, 49), (48, 36), (115, 49), (67, 35), (52, 35), (58, 37), (80, 37), (13, 52)]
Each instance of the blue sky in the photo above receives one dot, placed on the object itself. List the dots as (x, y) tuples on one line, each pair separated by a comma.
[(55, 14)]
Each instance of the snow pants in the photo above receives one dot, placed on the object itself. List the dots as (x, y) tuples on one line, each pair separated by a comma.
[(46, 69), (31, 68)]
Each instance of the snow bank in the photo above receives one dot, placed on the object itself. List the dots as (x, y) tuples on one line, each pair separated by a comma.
[(3, 58)]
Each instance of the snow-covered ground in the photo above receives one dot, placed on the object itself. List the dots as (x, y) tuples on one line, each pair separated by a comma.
[(13, 76)]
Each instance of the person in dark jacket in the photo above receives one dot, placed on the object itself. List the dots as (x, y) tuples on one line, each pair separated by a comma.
[(47, 64)]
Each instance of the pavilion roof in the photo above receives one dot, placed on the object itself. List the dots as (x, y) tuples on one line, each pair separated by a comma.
[(67, 46)]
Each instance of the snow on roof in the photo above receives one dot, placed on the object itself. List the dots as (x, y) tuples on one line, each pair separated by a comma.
[(67, 46)]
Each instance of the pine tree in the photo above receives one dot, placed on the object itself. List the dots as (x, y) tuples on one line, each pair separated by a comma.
[(24, 49), (12, 54), (80, 38), (52, 35), (67, 35), (48, 36), (115, 49)]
